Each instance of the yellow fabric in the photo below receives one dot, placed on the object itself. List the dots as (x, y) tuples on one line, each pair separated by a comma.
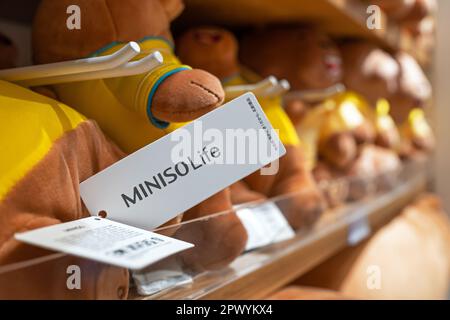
[(30, 125), (384, 121), (273, 109), (416, 126), (310, 129), (119, 105), (340, 113), (379, 118)]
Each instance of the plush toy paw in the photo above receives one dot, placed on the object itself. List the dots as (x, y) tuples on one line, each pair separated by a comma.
[(296, 110), (303, 209), (170, 227), (217, 233), (364, 133), (241, 193), (187, 95), (218, 241), (332, 183), (339, 150)]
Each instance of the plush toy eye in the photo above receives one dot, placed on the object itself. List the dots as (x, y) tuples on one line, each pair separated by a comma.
[(208, 36)]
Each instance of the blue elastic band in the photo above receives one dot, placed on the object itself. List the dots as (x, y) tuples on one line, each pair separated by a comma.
[(158, 123)]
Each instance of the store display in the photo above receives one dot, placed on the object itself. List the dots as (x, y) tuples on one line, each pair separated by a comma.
[(135, 111), (409, 258), (216, 50), (129, 168), (334, 128)]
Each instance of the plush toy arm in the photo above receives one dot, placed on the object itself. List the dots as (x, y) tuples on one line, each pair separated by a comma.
[(136, 92)]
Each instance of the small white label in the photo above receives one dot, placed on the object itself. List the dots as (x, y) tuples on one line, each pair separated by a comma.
[(150, 187), (358, 231), (105, 241), (265, 224)]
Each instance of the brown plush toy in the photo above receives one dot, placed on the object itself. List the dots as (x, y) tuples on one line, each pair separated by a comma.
[(412, 94), (395, 9), (40, 171), (409, 258), (373, 74), (309, 60), (216, 50), (137, 110), (411, 14)]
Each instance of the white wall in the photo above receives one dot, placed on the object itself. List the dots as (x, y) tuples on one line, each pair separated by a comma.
[(442, 107)]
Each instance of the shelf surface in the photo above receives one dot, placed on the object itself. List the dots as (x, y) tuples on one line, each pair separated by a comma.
[(256, 274), (339, 18)]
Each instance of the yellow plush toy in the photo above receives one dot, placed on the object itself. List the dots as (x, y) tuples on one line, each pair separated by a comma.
[(137, 110), (47, 150), (216, 50)]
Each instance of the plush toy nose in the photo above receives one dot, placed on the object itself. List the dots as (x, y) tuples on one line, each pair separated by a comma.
[(208, 37)]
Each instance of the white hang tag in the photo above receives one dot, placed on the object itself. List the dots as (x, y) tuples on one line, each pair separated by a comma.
[(265, 224), (358, 231), (162, 180), (105, 241)]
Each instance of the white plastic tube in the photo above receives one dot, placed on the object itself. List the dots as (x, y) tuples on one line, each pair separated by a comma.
[(112, 61), (315, 95), (144, 65), (258, 88)]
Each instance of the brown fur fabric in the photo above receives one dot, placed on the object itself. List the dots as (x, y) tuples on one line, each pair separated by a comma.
[(47, 195)]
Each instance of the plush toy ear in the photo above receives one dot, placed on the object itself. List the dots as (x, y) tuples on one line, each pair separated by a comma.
[(173, 8)]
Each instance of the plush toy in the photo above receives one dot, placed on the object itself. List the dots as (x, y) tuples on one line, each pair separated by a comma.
[(373, 74), (216, 50), (413, 90), (410, 14), (137, 110), (334, 128), (40, 171), (412, 94), (409, 258), (395, 9)]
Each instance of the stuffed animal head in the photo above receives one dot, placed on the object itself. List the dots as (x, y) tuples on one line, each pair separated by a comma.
[(8, 52), (210, 48), (413, 89), (102, 22), (395, 9), (304, 56), (369, 71), (411, 14)]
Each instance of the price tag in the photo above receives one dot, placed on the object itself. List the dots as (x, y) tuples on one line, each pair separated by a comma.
[(105, 241), (265, 224), (358, 231), (155, 184)]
